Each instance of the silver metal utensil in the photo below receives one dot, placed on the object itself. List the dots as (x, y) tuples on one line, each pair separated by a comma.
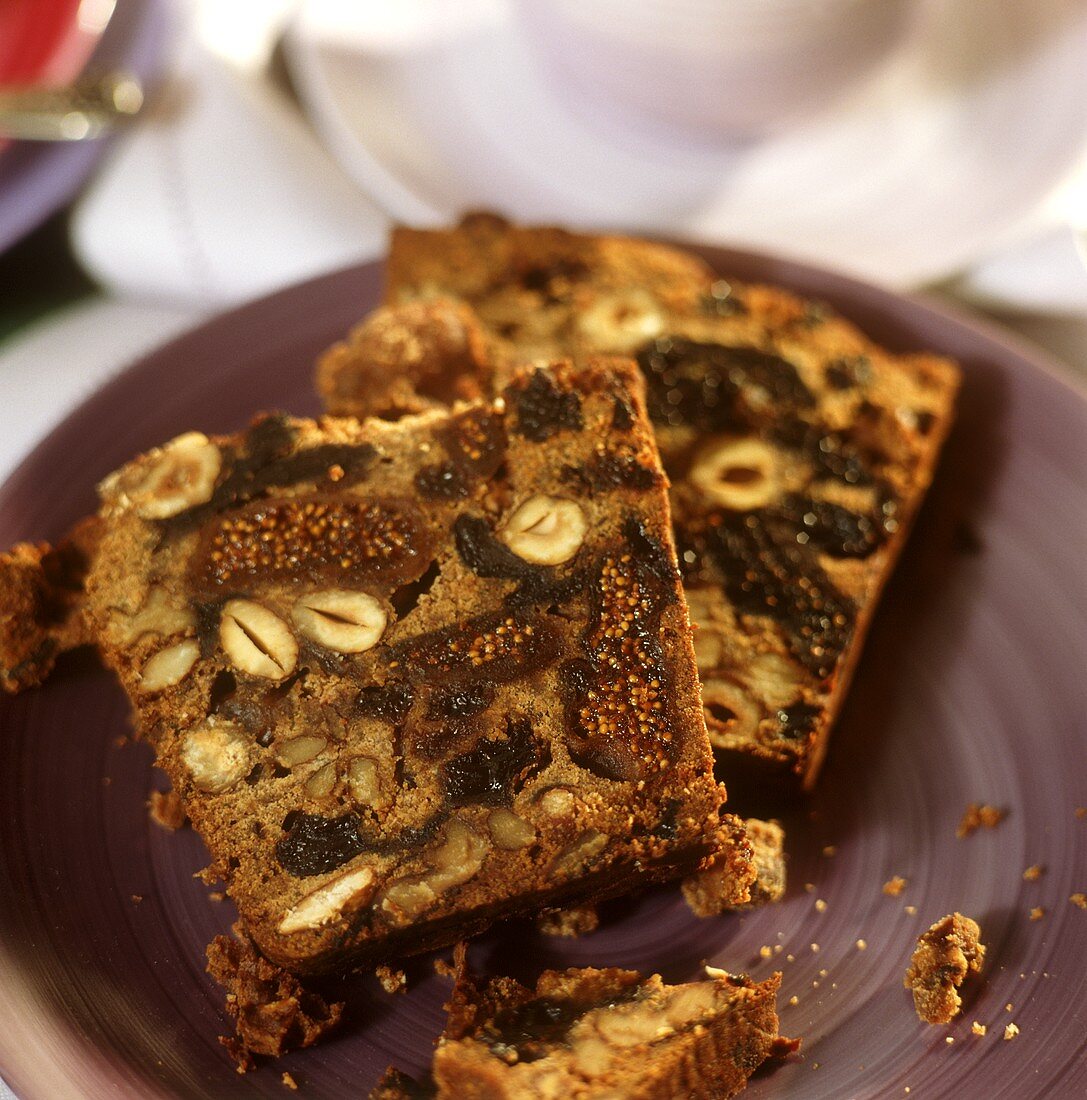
[(80, 111)]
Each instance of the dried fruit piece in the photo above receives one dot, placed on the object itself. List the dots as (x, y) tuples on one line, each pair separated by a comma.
[(738, 474), (312, 844), (330, 902), (341, 620), (493, 771), (171, 479), (257, 640), (544, 408), (169, 666), (217, 754), (545, 530)]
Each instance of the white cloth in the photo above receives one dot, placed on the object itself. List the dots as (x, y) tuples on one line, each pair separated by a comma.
[(221, 194)]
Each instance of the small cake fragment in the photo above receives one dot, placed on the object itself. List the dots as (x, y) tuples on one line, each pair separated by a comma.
[(949, 951), (894, 886), (586, 1032), (1079, 900), (273, 1013), (713, 890), (1010, 1032), (979, 815), (577, 920), (1033, 873), (166, 810)]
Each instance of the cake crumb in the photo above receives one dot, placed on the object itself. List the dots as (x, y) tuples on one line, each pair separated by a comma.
[(809, 886), (216, 895), (862, 945), (166, 810), (391, 980), (1079, 899), (949, 1039), (830, 851), (979, 815), (978, 1029), (794, 1000), (1081, 812), (946, 953), (820, 905), (894, 886), (1033, 873), (765, 952), (911, 909), (791, 958), (1008, 1007), (578, 920), (289, 1082), (1010, 1032), (1037, 913), (815, 949), (137, 898)]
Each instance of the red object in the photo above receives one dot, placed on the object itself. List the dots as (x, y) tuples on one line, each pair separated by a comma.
[(43, 41)]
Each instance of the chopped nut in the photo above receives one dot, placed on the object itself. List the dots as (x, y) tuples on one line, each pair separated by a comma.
[(508, 831), (949, 951), (1010, 1032), (156, 616), (217, 755), (575, 856), (545, 530), (979, 815), (894, 886), (320, 784), (257, 640), (978, 1029), (343, 621), (732, 716), (300, 750), (363, 780), (289, 1082), (169, 666), (392, 981), (574, 922), (169, 479), (327, 903), (739, 474), (559, 802)]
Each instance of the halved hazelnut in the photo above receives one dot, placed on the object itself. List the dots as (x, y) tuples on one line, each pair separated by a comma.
[(176, 476), (169, 666), (732, 716), (620, 321), (508, 831), (545, 530), (738, 474), (257, 640), (340, 620), (575, 856), (328, 902), (217, 755), (299, 750), (773, 678)]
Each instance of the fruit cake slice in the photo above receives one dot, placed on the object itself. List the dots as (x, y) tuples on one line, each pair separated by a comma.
[(588, 1032), (798, 450), (411, 678)]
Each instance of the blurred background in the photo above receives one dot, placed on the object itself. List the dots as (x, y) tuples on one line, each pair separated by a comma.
[(192, 154)]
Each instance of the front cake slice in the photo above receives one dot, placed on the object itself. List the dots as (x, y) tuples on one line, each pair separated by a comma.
[(600, 1033), (798, 449), (411, 678)]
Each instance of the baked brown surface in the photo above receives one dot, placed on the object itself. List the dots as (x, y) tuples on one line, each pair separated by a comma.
[(799, 451), (585, 1032), (411, 678), (945, 955)]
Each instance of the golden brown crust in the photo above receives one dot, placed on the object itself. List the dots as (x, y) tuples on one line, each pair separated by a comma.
[(946, 954)]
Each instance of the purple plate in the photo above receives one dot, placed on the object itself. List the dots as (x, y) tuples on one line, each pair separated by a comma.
[(973, 688), (38, 178)]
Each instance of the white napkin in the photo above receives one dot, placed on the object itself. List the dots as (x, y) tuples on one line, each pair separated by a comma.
[(221, 194)]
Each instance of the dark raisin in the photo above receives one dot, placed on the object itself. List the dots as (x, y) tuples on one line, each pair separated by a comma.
[(207, 626), (544, 409), (269, 438), (832, 529), (443, 482), (313, 845), (389, 702), (622, 415), (798, 719), (704, 385), (253, 778), (604, 473), (666, 827), (766, 572), (461, 702), (222, 688), (481, 551), (432, 741), (492, 772)]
